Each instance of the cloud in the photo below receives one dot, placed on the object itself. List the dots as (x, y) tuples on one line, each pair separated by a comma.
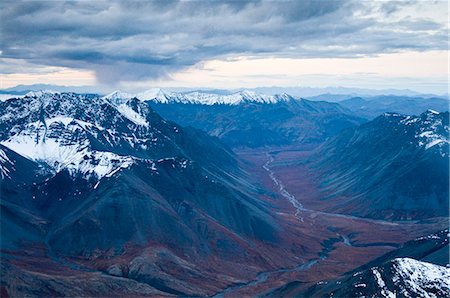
[(140, 40)]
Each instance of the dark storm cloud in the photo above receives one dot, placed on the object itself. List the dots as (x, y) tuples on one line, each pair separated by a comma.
[(132, 40)]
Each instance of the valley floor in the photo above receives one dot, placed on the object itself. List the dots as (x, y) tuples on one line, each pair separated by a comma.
[(346, 241)]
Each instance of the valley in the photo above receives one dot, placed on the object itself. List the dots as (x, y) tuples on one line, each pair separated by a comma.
[(353, 241), (104, 190)]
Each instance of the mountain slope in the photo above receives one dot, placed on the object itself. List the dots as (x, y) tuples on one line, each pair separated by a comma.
[(250, 119), (398, 163), (109, 183), (410, 271), (256, 124), (88, 138), (417, 269), (401, 277)]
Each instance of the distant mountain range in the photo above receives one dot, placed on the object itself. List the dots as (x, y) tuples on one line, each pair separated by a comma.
[(393, 167), (372, 107), (201, 98), (304, 92), (249, 119), (256, 124)]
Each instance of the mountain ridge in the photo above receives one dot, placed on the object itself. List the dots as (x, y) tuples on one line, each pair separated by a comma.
[(398, 162)]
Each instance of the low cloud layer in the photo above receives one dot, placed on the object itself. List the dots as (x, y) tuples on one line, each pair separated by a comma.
[(137, 40)]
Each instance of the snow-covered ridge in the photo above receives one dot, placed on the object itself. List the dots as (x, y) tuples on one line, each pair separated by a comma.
[(421, 279), (58, 129), (49, 142), (163, 96), (4, 97), (84, 134), (197, 97), (159, 95), (40, 93), (411, 278), (431, 131), (434, 133)]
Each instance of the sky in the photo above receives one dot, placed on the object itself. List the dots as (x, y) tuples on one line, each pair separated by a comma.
[(137, 45)]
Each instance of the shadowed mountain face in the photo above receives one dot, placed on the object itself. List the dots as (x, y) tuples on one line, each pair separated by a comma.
[(256, 124), (86, 177), (393, 167), (372, 107), (417, 269), (148, 173)]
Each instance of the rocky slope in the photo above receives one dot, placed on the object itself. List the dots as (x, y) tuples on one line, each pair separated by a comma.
[(257, 124), (249, 119), (397, 163), (417, 269), (111, 183)]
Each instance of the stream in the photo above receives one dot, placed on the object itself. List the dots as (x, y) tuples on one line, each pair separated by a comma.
[(282, 190), (299, 207), (328, 244)]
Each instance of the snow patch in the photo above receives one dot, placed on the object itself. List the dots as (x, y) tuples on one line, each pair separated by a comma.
[(40, 93), (128, 112), (431, 130), (421, 278), (76, 158), (4, 171), (384, 290), (434, 143)]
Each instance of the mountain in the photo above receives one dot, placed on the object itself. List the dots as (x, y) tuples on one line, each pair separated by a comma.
[(331, 97), (417, 269), (397, 163), (372, 107), (255, 124), (305, 92), (250, 119), (24, 89), (110, 186), (158, 95), (349, 92)]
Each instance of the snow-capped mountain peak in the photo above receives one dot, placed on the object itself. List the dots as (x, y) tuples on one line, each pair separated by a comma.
[(244, 96), (199, 97), (40, 93), (412, 278), (155, 94), (118, 95), (431, 129), (83, 134)]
